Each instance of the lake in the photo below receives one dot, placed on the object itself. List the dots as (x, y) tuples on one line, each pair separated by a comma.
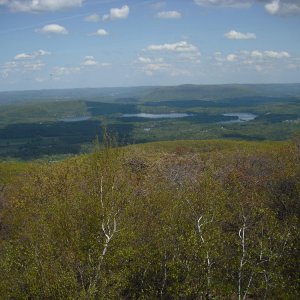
[(241, 117), (158, 116)]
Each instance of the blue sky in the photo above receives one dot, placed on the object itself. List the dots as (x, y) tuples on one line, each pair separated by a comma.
[(100, 43)]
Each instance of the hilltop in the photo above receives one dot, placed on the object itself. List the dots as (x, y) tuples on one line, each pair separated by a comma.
[(184, 219)]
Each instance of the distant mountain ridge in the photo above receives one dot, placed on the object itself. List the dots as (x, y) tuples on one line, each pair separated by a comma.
[(144, 93)]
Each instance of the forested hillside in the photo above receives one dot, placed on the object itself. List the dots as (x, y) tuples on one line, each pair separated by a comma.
[(53, 124), (169, 220)]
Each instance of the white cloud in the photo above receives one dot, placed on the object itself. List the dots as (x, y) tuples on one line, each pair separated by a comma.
[(182, 46), (145, 60), (259, 61), (23, 62), (23, 56), (176, 59), (149, 69), (169, 15), (148, 60), (235, 35), (53, 28), (41, 5), (155, 67), (105, 64), (225, 3), (33, 66), (231, 57), (193, 57), (33, 55), (100, 32), (89, 57), (256, 54), (273, 7), (92, 18), (90, 61), (274, 54), (117, 13), (42, 52), (7, 68), (283, 7), (60, 71)]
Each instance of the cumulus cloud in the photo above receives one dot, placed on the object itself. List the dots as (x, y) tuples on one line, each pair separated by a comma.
[(193, 57), (169, 15), (274, 54), (117, 14), (175, 59), (273, 7), (33, 55), (92, 18), (152, 65), (145, 60), (7, 68), (40, 5), (100, 32), (283, 7), (260, 61), (148, 60), (225, 3), (23, 56), (182, 46), (61, 71), (259, 55), (235, 35), (231, 57), (24, 62), (33, 66), (159, 67), (90, 61), (256, 54), (149, 69), (53, 29)]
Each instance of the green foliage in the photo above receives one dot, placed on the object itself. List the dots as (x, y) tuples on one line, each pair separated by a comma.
[(186, 220)]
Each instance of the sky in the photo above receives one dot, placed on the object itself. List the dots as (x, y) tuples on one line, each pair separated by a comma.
[(49, 44)]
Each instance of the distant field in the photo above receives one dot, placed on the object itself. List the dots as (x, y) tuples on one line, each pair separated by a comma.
[(68, 121)]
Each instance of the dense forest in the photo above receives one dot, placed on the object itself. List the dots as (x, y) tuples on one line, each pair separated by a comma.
[(53, 124), (168, 220)]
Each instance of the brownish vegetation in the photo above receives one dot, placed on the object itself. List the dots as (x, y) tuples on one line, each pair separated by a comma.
[(203, 221)]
